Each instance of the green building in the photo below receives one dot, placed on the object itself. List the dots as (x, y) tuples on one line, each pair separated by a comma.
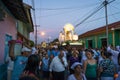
[(97, 38)]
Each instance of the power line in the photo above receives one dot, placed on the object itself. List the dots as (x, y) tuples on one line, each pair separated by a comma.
[(117, 2), (64, 12), (65, 8), (115, 18), (111, 1), (104, 4), (85, 14), (116, 7), (55, 14), (112, 12), (101, 17), (57, 8), (95, 11), (101, 6)]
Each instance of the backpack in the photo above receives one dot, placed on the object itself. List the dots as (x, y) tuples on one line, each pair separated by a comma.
[(119, 59)]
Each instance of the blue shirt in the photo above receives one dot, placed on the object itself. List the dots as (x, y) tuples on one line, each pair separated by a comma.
[(19, 65), (49, 53), (55, 53), (45, 64)]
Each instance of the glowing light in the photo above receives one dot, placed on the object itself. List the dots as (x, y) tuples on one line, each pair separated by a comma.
[(75, 37), (68, 27), (68, 34), (42, 33)]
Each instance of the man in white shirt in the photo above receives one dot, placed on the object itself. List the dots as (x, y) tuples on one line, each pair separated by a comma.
[(114, 56), (57, 66)]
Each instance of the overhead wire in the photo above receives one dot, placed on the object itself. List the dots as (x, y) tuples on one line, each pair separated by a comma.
[(115, 18), (117, 2), (56, 14), (87, 25), (101, 17), (66, 8), (64, 12), (85, 15), (101, 0), (112, 11), (95, 11), (115, 7)]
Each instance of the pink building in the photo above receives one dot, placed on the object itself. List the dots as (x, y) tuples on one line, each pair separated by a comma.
[(15, 24), (8, 31)]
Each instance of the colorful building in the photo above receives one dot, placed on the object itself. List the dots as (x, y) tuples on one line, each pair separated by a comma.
[(97, 38), (8, 32), (15, 24)]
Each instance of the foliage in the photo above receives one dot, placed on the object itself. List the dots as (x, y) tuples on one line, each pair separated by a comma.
[(31, 43)]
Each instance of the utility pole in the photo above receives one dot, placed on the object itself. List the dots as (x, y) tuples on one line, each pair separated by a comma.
[(105, 3), (106, 18), (33, 4)]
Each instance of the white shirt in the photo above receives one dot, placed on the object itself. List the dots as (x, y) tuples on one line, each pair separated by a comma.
[(10, 63), (100, 59), (83, 57), (56, 64), (72, 77), (65, 52), (34, 50), (114, 55)]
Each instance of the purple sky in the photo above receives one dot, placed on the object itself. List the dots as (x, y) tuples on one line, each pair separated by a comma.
[(52, 15)]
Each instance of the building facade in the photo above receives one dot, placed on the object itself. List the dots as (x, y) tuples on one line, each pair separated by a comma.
[(15, 24), (8, 31), (97, 38)]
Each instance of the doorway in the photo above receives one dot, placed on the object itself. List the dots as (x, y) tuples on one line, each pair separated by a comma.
[(7, 39), (90, 44), (104, 42)]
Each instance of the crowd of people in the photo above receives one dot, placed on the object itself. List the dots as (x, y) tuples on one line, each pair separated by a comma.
[(66, 63)]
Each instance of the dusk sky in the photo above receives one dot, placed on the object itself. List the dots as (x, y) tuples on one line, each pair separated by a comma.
[(52, 15)]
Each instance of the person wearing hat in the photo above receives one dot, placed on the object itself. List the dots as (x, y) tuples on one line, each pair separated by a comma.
[(78, 74), (20, 62)]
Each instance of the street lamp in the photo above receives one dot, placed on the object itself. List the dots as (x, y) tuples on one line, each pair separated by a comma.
[(42, 33)]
